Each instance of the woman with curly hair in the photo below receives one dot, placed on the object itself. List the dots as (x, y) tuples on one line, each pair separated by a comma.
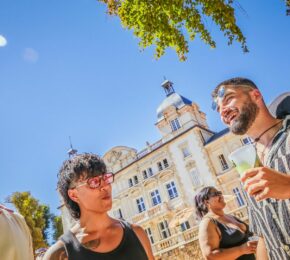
[(85, 186)]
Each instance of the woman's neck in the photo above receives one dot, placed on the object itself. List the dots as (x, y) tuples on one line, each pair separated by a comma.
[(216, 212), (94, 222)]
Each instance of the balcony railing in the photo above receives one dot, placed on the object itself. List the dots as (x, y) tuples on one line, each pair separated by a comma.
[(150, 213), (156, 144), (190, 235), (153, 211), (138, 218), (142, 153), (176, 240), (149, 149)]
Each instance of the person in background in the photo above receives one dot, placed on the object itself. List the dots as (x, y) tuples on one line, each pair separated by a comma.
[(85, 186), (242, 108), (280, 106), (15, 238), (221, 236)]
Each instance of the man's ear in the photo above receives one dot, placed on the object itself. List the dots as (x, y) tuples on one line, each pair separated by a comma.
[(256, 95), (73, 195)]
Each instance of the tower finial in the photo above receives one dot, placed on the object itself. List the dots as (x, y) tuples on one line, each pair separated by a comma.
[(167, 85), (71, 152)]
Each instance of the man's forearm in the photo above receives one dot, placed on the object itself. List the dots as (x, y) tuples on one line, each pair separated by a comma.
[(261, 253)]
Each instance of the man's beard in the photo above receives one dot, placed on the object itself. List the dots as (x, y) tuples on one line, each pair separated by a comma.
[(245, 120)]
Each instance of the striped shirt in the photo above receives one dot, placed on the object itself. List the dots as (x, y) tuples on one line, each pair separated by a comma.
[(270, 218)]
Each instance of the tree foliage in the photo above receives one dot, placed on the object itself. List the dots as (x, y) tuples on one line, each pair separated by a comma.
[(47, 218), (57, 227), (163, 23), (37, 216)]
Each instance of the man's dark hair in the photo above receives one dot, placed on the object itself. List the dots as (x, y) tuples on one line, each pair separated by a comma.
[(199, 201), (235, 82), (80, 166)]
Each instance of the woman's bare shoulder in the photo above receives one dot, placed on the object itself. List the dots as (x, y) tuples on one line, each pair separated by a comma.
[(207, 221)]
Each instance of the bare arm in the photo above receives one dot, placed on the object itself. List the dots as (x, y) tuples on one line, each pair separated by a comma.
[(56, 252), (141, 234), (209, 240), (261, 250)]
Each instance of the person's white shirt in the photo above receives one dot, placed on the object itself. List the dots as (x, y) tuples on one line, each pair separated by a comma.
[(15, 238)]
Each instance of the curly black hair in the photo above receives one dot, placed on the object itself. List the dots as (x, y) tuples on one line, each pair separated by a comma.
[(238, 81), (85, 166), (199, 199)]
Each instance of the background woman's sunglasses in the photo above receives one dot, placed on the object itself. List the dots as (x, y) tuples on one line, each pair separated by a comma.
[(215, 194)]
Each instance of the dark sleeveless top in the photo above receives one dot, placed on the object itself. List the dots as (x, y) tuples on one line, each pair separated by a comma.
[(130, 248), (231, 237)]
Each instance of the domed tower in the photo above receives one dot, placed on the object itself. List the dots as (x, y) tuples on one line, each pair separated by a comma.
[(177, 113)]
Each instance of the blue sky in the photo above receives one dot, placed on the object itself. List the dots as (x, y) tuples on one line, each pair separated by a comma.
[(71, 70)]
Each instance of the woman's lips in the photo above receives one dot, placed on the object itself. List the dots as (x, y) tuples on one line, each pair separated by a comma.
[(107, 197)]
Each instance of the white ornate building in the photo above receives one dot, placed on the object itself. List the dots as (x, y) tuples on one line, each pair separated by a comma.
[(155, 187)]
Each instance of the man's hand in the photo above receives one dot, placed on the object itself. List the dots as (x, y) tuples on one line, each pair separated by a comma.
[(264, 182)]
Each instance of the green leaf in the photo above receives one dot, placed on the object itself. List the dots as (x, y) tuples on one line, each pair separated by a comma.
[(164, 23)]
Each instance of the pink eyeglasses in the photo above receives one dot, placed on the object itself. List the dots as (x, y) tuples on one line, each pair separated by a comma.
[(95, 182)]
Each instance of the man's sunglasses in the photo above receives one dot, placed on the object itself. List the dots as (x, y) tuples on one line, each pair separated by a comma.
[(221, 93), (95, 182), (215, 194)]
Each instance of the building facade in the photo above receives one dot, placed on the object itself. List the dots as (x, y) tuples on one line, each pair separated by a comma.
[(155, 187)]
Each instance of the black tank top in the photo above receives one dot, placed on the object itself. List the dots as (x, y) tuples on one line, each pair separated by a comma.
[(231, 237), (130, 248)]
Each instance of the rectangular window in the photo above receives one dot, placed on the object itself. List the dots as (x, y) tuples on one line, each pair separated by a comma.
[(140, 205), (171, 189), (223, 162), (136, 179), (239, 197), (174, 124), (185, 152), (165, 163), (195, 177), (246, 140), (160, 167), (184, 226), (145, 176), (164, 230), (155, 197), (118, 214), (130, 182), (202, 138), (150, 235), (150, 171)]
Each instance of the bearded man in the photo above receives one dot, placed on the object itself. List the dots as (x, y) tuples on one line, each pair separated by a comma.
[(242, 108)]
